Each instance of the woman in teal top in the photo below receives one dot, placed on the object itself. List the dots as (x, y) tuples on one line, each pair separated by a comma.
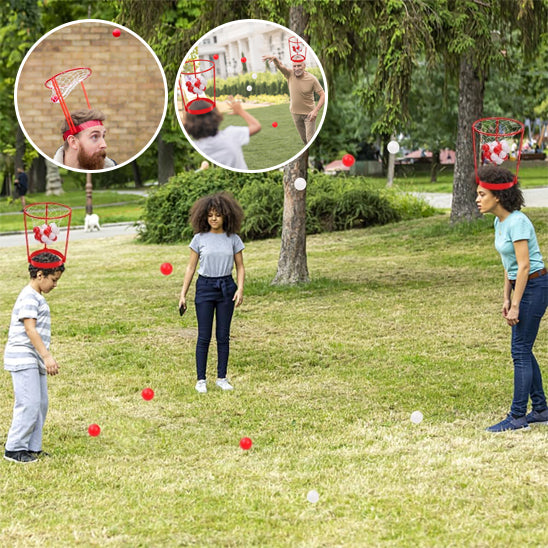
[(525, 290)]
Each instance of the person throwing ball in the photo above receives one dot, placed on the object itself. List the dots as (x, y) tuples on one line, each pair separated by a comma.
[(525, 290), (216, 220), (302, 86)]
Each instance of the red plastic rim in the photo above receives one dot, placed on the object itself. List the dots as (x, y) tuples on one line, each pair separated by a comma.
[(201, 110), (54, 264)]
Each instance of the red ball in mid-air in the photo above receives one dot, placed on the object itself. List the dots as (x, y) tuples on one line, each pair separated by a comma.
[(246, 443), (274, 124), (166, 269), (215, 56), (116, 33), (147, 394), (94, 430), (348, 160), (243, 59)]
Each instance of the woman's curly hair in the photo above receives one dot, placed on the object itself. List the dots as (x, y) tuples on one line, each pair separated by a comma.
[(202, 125), (511, 198), (223, 204)]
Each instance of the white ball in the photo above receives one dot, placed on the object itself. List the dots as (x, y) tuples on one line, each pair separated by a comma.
[(393, 147), (416, 417), (495, 158), (505, 147), (300, 183), (313, 496), (249, 88)]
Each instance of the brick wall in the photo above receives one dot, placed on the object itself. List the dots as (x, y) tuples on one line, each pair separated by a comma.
[(126, 84)]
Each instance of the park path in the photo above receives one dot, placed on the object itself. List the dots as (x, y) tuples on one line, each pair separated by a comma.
[(534, 197)]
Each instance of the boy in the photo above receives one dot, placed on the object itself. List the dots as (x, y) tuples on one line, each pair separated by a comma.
[(28, 359)]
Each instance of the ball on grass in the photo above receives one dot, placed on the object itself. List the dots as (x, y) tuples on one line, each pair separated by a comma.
[(147, 394), (94, 430), (274, 124), (416, 417), (313, 496), (166, 269), (246, 443)]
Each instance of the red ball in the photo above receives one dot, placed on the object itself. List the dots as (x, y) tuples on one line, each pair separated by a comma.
[(215, 56), (243, 59), (274, 124), (94, 430), (246, 443), (116, 33), (147, 394), (348, 160), (166, 269)]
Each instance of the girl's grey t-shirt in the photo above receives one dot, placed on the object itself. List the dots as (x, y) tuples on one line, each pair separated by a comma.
[(216, 252)]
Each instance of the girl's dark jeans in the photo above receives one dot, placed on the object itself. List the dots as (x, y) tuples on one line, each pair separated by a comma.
[(214, 298), (527, 376)]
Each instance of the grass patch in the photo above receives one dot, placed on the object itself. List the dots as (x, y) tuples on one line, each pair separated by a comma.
[(271, 146), (397, 318)]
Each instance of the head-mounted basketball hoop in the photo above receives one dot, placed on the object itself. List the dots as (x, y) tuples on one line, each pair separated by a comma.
[(497, 141), (61, 85), (47, 225), (297, 50), (197, 78)]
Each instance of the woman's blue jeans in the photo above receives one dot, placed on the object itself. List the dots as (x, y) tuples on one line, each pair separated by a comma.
[(527, 376), (214, 298)]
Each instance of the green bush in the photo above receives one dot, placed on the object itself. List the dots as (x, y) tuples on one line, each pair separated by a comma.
[(333, 203)]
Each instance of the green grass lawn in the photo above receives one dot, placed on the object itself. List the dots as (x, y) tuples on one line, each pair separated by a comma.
[(111, 207), (271, 146), (397, 318)]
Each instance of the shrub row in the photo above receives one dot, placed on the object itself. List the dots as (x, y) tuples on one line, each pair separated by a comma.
[(265, 83), (333, 203)]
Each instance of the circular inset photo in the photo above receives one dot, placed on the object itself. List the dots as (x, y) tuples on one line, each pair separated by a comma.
[(91, 95), (251, 96)]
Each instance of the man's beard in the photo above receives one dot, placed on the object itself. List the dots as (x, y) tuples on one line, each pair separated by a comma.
[(91, 161)]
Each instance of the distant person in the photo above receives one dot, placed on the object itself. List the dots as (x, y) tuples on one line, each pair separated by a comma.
[(22, 185), (525, 290), (225, 145), (216, 246), (28, 359), (302, 86), (85, 148)]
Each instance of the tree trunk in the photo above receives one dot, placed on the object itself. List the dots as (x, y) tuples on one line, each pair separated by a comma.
[(89, 194), (292, 264), (54, 184), (37, 174), (166, 163), (471, 90), (137, 174), (436, 154)]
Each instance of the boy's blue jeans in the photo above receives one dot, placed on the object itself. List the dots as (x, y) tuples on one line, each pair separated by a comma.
[(214, 298), (527, 376)]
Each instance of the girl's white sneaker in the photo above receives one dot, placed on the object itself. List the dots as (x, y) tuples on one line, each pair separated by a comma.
[(224, 384), (201, 386)]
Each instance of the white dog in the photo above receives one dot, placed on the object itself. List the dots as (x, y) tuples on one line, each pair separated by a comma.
[(91, 222)]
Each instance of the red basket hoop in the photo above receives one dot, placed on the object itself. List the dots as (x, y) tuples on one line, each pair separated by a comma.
[(494, 141), (47, 223), (297, 50), (62, 84), (195, 80)]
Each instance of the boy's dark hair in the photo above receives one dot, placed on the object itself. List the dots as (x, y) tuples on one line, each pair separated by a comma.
[(224, 204), (45, 257), (202, 125), (511, 198)]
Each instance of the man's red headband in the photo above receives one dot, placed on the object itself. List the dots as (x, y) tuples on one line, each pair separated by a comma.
[(81, 127)]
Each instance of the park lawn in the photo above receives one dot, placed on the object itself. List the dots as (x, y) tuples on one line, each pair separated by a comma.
[(534, 176), (111, 207), (397, 318), (271, 146)]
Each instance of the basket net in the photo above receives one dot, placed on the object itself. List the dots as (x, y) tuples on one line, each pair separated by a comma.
[(66, 81), (47, 227), (197, 86)]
